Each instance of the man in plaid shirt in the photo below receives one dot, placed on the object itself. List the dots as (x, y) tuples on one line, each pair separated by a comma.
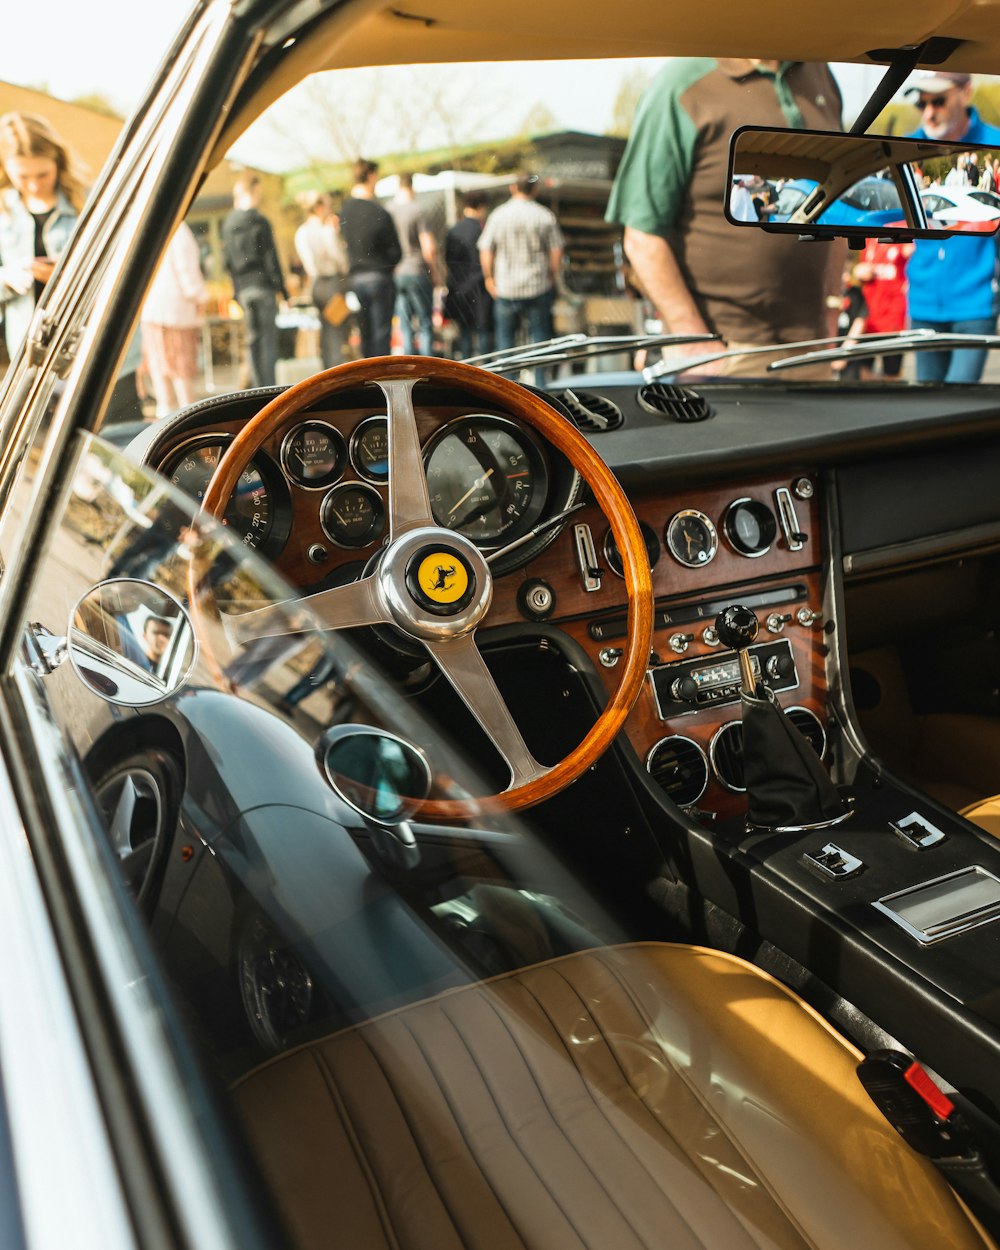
[(521, 250)]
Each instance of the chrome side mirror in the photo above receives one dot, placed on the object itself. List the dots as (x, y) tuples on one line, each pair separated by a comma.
[(383, 778), (131, 642)]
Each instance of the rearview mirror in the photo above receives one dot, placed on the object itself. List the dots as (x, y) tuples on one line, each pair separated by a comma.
[(832, 185)]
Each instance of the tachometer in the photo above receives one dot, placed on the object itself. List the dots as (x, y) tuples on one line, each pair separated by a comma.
[(487, 479), (249, 512)]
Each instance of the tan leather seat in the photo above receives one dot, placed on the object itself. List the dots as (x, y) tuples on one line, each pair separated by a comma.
[(985, 813), (632, 1097)]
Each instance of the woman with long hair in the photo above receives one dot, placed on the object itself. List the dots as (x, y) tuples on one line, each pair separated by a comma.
[(41, 194)]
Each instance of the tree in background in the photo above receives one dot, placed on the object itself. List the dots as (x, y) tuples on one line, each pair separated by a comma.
[(633, 83)]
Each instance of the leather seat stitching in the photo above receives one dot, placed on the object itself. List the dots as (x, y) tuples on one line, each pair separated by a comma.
[(588, 1087), (336, 1099), (723, 1128)]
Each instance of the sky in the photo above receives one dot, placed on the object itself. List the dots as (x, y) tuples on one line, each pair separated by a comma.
[(112, 47)]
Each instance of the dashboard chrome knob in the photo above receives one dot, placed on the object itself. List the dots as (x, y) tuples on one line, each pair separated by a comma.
[(737, 626), (777, 621), (808, 616), (680, 642)]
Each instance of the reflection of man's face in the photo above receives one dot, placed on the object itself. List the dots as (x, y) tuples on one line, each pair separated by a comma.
[(943, 114), (155, 637)]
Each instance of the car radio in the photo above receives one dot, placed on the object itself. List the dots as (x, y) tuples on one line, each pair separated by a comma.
[(711, 680)]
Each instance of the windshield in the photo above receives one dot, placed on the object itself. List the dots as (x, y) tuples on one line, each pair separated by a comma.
[(277, 272)]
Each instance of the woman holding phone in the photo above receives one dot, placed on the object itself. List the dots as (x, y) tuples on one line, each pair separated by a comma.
[(41, 194)]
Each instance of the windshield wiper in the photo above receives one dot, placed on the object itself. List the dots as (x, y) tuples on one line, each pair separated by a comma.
[(684, 364), (576, 347), (864, 348)]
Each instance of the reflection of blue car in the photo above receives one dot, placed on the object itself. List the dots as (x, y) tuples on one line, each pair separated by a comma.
[(870, 202)]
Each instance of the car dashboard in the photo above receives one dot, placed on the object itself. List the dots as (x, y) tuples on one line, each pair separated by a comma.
[(851, 519)]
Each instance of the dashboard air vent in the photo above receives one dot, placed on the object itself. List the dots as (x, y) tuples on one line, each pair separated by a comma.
[(591, 413), (680, 403), (679, 768), (808, 725)]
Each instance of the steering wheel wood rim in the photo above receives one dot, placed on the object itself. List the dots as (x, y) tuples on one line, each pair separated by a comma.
[(563, 436)]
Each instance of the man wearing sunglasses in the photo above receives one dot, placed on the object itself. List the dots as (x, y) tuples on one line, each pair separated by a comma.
[(953, 282)]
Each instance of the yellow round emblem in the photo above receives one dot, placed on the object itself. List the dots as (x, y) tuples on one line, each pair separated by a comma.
[(443, 577)]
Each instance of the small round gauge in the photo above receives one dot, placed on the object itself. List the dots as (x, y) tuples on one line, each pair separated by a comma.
[(691, 538), (353, 515), (613, 555), (750, 527), (370, 449), (249, 513), (313, 454), (487, 479)]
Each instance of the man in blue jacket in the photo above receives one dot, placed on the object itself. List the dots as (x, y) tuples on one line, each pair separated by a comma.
[(953, 282)]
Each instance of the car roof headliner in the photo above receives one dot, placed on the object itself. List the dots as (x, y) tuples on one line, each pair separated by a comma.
[(357, 33), (457, 30)]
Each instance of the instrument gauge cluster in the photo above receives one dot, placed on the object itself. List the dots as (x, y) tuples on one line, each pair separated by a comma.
[(748, 526)]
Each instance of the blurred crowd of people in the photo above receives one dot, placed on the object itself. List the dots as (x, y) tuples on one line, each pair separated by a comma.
[(372, 268), (388, 276), (379, 276)]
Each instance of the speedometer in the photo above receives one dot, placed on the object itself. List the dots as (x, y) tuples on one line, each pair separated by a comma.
[(487, 479), (249, 512)]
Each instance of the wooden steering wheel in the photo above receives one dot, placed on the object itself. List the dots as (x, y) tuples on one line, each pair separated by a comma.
[(399, 593)]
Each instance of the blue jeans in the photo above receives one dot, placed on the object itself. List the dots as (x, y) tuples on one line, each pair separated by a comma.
[(958, 366), (415, 299), (473, 342), (259, 310), (536, 312), (376, 294)]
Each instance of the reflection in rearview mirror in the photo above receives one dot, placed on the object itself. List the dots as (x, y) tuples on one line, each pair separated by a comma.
[(828, 184), (376, 773), (131, 642)]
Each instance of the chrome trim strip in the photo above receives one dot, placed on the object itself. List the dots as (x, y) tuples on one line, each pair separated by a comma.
[(67, 1179), (189, 1172)]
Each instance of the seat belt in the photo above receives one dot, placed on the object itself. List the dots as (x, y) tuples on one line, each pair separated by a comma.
[(929, 1122)]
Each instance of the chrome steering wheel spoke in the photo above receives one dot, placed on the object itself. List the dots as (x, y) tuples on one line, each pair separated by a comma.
[(340, 607), (409, 501), (462, 664)]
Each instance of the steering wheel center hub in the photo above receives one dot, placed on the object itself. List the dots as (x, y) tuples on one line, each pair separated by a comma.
[(435, 583)]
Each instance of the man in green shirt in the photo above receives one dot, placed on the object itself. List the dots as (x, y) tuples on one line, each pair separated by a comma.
[(701, 272)]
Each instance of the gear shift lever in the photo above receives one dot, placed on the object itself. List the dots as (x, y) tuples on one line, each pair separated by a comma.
[(787, 787), (737, 628)]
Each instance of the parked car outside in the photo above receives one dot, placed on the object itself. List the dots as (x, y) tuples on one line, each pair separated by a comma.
[(870, 202), (972, 208)]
